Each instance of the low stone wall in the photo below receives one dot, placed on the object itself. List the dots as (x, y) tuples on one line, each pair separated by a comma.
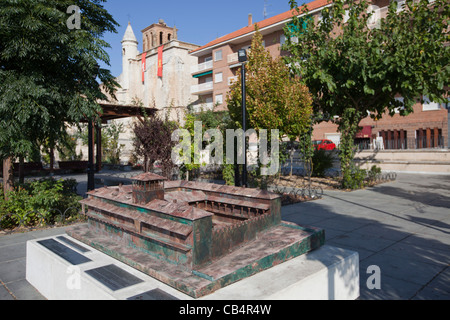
[(420, 161)]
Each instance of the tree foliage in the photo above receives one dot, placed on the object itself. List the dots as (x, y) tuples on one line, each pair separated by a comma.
[(49, 73), (153, 142), (274, 98), (353, 69)]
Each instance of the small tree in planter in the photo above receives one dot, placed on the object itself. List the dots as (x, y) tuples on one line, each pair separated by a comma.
[(153, 143)]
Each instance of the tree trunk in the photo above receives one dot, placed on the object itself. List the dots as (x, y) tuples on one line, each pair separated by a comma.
[(145, 164), (21, 170), (8, 176), (52, 160), (292, 159), (348, 127)]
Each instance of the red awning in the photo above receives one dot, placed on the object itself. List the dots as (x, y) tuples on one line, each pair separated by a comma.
[(366, 132)]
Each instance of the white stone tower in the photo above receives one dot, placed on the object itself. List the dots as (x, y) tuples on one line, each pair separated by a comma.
[(129, 51)]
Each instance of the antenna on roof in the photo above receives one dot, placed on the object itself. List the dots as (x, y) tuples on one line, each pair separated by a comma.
[(266, 5)]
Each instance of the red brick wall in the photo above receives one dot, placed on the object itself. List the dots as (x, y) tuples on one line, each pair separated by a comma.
[(417, 120)]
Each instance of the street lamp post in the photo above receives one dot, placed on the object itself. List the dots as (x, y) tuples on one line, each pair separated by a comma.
[(242, 56)]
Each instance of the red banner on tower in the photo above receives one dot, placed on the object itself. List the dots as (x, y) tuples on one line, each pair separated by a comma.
[(143, 66), (160, 61)]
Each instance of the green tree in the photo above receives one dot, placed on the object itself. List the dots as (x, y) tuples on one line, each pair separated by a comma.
[(275, 98), (49, 73), (353, 69)]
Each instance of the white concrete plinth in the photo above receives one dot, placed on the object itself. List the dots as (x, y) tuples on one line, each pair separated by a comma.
[(325, 273)]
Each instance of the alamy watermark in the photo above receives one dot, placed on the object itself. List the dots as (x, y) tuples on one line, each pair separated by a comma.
[(73, 281), (181, 153), (374, 280), (74, 21)]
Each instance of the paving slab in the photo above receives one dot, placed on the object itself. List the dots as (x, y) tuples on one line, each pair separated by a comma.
[(366, 241), (391, 289), (437, 289), (414, 270)]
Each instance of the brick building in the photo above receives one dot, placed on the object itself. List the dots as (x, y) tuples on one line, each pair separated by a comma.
[(427, 127)]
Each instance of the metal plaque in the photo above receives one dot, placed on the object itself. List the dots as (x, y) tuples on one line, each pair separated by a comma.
[(113, 277), (155, 294), (73, 244), (64, 252)]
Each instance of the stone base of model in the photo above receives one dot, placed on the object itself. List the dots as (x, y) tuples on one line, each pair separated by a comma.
[(66, 269)]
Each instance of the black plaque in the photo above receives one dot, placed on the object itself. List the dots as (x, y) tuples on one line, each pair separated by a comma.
[(155, 294), (113, 277), (64, 252), (73, 244)]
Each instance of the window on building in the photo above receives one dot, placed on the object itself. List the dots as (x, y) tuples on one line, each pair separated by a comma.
[(208, 59), (399, 99), (219, 77), (429, 138), (396, 139), (160, 38), (219, 98), (282, 39), (208, 79), (375, 15), (429, 105), (218, 55)]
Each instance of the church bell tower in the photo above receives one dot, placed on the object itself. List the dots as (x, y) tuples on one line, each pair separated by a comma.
[(129, 51)]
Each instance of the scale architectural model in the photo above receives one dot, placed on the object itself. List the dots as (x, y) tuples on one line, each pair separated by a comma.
[(196, 237)]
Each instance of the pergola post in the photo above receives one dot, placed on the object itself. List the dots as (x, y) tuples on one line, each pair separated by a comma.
[(98, 162), (91, 169), (109, 112)]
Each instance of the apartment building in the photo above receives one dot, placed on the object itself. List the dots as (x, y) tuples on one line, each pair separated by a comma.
[(218, 60), (217, 68)]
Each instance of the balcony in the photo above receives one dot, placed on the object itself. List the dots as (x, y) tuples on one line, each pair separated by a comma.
[(203, 107), (232, 58), (202, 67), (202, 88)]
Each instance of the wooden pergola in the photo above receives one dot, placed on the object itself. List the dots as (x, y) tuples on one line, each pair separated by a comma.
[(110, 112)]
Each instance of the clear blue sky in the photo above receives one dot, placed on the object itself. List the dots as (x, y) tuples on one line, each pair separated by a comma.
[(198, 21)]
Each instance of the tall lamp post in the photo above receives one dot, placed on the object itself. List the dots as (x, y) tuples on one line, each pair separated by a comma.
[(242, 56)]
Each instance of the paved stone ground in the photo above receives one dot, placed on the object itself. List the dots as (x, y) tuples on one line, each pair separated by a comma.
[(403, 227)]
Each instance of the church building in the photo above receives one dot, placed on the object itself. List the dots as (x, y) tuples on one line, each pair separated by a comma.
[(159, 76)]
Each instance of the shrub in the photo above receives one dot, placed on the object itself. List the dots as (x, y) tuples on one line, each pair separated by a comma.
[(322, 161), (356, 179), (41, 202), (373, 173)]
